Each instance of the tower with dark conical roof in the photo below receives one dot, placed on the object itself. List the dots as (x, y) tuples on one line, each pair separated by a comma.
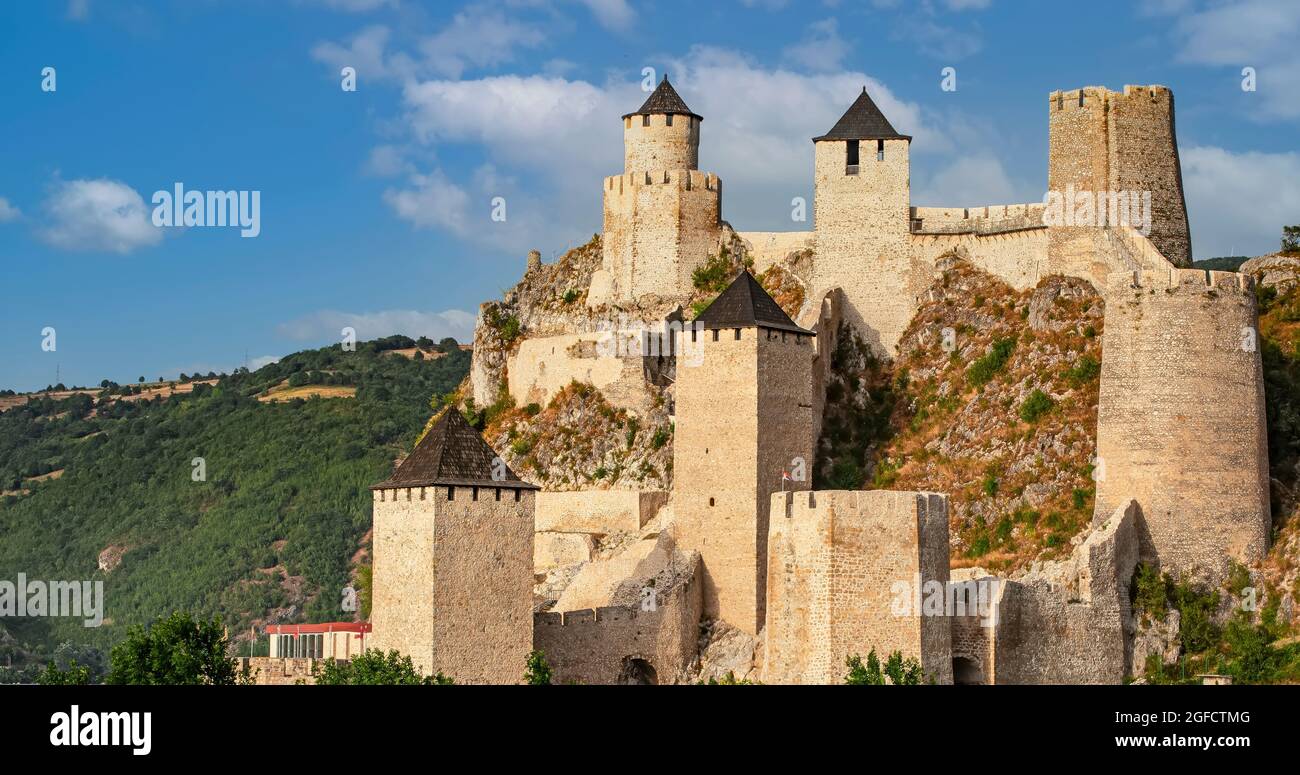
[(745, 429), (662, 215), (453, 558), (862, 213)]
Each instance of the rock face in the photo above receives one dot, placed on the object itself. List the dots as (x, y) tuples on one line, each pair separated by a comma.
[(1276, 271), (1158, 639)]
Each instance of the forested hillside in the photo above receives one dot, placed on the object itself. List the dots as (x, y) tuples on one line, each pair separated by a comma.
[(269, 530)]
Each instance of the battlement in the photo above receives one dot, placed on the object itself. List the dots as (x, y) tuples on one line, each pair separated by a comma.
[(686, 180), (602, 615), (990, 219), (1175, 279), (1093, 97)]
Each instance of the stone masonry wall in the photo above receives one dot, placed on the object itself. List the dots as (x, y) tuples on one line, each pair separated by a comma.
[(592, 646), (1181, 425), (453, 579), (735, 434), (599, 512), (842, 569), (659, 226), (649, 143), (863, 239), (1069, 627)]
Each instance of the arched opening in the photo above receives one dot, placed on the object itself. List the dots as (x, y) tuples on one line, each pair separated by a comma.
[(637, 672), (966, 672)]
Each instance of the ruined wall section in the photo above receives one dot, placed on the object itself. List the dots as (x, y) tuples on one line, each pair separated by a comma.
[(594, 646), (836, 562), (1068, 624), (1181, 425)]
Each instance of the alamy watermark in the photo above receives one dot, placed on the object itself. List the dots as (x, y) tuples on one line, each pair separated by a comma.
[(82, 599), (1080, 207), (209, 208)]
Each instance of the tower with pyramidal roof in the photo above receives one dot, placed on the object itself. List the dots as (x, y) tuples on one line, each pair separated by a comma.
[(453, 558), (744, 431), (662, 215), (862, 190)]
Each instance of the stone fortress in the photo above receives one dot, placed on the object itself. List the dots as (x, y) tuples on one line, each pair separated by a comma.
[(741, 548)]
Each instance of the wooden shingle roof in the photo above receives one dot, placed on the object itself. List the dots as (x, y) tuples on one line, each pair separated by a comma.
[(862, 121), (452, 453), (744, 304), (664, 99)]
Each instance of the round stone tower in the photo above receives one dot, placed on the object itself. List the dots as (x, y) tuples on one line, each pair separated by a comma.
[(662, 135), (662, 215)]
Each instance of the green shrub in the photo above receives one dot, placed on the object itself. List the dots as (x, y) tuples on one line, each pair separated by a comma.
[(1037, 405), (984, 369), (1084, 370)]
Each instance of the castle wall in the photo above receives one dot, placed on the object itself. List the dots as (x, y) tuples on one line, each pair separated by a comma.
[(863, 240), (554, 549), (1070, 629), (1181, 425), (840, 563), (598, 511), (1018, 258), (543, 366), (771, 247), (659, 226), (592, 646), (453, 580), (735, 435), (650, 143)]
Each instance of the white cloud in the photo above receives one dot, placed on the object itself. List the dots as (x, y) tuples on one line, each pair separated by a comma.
[(821, 49), (259, 362), (475, 38), (357, 6), (79, 10), (1255, 33), (98, 214), (938, 40), (1237, 203), (326, 325), (557, 138), (613, 14), (973, 181), (8, 212)]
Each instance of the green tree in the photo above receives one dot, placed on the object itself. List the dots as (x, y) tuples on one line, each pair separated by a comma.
[(1291, 240), (537, 672), (899, 671), (175, 650), (375, 668), (75, 675)]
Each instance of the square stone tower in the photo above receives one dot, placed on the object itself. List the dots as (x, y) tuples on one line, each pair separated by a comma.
[(862, 213), (854, 570), (453, 564), (662, 215), (744, 431)]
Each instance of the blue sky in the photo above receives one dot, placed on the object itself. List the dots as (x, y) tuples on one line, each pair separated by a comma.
[(376, 203)]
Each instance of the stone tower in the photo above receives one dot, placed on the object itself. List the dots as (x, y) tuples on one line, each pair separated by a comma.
[(744, 431), (453, 558), (862, 200), (662, 215), (1102, 141), (1180, 421)]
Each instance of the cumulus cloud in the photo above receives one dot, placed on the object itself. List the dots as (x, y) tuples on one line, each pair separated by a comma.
[(613, 14), (97, 214), (974, 181), (475, 38), (1255, 33), (822, 48), (8, 212), (1238, 202), (326, 325)]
